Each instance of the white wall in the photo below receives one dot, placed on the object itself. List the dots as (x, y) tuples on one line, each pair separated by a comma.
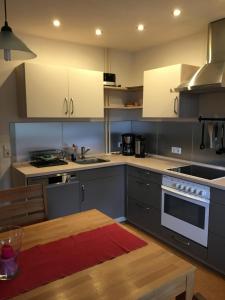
[(190, 50)]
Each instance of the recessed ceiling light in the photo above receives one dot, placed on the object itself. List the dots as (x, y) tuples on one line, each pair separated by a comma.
[(98, 31), (176, 12), (140, 27), (56, 23)]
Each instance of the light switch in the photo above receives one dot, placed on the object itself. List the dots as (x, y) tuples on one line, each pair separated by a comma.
[(6, 151)]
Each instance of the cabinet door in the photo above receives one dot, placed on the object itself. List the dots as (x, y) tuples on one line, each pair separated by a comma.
[(158, 101), (86, 94), (183, 243), (144, 216), (145, 191), (63, 199), (216, 219), (103, 192), (46, 91), (216, 252)]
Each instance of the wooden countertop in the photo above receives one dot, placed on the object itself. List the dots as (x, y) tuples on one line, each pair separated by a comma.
[(150, 272), (160, 165)]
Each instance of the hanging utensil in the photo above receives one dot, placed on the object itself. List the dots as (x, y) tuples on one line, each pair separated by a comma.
[(210, 132), (216, 129), (202, 146), (222, 149)]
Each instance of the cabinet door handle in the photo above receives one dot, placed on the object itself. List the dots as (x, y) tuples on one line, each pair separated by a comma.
[(142, 206), (181, 241), (175, 105), (66, 105), (140, 182), (83, 191), (146, 173), (71, 106)]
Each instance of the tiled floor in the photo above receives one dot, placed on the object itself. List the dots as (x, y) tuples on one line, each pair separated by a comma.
[(209, 284)]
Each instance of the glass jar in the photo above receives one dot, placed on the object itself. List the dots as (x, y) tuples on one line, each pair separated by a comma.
[(10, 245)]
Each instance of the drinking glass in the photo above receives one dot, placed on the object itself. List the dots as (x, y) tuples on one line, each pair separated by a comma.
[(10, 245)]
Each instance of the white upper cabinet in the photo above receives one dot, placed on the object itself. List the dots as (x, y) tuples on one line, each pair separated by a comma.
[(86, 94), (57, 92), (159, 100), (46, 90)]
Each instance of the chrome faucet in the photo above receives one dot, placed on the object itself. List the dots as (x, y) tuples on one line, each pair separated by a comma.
[(83, 152)]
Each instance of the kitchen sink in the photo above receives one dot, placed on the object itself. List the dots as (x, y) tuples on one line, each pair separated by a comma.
[(91, 160)]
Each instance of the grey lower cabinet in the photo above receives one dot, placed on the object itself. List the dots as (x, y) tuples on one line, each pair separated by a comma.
[(216, 243), (103, 189), (183, 244), (144, 199)]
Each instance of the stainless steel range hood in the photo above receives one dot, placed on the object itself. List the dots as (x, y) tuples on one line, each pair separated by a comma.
[(210, 77)]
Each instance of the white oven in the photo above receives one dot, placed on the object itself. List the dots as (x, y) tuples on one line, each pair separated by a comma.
[(185, 208)]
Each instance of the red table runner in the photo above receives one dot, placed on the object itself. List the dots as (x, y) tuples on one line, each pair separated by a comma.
[(45, 263)]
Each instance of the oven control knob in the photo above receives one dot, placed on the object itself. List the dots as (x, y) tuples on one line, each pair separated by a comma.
[(193, 191), (189, 189), (178, 186), (186, 189), (200, 193)]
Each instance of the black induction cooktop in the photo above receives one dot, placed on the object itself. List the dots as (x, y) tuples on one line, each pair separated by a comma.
[(198, 171)]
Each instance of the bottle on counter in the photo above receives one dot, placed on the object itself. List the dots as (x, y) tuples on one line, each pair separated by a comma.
[(74, 152)]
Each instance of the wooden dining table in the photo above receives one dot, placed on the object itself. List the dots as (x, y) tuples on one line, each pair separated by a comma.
[(150, 272)]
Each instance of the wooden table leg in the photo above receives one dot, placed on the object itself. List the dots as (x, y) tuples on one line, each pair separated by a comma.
[(181, 296), (188, 294), (190, 286)]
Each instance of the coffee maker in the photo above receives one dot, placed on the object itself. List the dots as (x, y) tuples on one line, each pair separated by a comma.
[(139, 146), (128, 144)]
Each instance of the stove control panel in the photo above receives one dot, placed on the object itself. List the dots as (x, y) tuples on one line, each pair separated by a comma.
[(188, 187)]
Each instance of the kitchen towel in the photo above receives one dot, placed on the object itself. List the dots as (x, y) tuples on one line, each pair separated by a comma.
[(42, 264)]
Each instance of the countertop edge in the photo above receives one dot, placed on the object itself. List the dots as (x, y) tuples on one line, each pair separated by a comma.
[(117, 160)]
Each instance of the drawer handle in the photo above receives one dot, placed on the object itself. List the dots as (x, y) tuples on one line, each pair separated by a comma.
[(142, 183), (139, 182), (180, 241), (142, 206)]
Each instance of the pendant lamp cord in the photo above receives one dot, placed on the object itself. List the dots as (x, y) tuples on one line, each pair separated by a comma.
[(5, 11)]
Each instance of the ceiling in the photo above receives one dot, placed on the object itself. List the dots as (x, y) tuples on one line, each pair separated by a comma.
[(117, 18)]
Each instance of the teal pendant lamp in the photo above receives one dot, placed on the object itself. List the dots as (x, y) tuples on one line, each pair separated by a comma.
[(11, 47)]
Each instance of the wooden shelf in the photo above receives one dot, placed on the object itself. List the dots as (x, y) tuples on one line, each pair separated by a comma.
[(135, 88), (117, 88), (123, 107)]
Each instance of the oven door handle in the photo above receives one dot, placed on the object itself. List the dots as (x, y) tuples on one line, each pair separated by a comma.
[(191, 197)]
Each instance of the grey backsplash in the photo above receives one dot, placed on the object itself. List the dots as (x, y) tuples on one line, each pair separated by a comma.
[(34, 136), (161, 136), (50, 135), (149, 130), (116, 129), (87, 134)]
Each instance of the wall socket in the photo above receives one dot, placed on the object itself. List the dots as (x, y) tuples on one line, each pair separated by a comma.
[(176, 150)]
